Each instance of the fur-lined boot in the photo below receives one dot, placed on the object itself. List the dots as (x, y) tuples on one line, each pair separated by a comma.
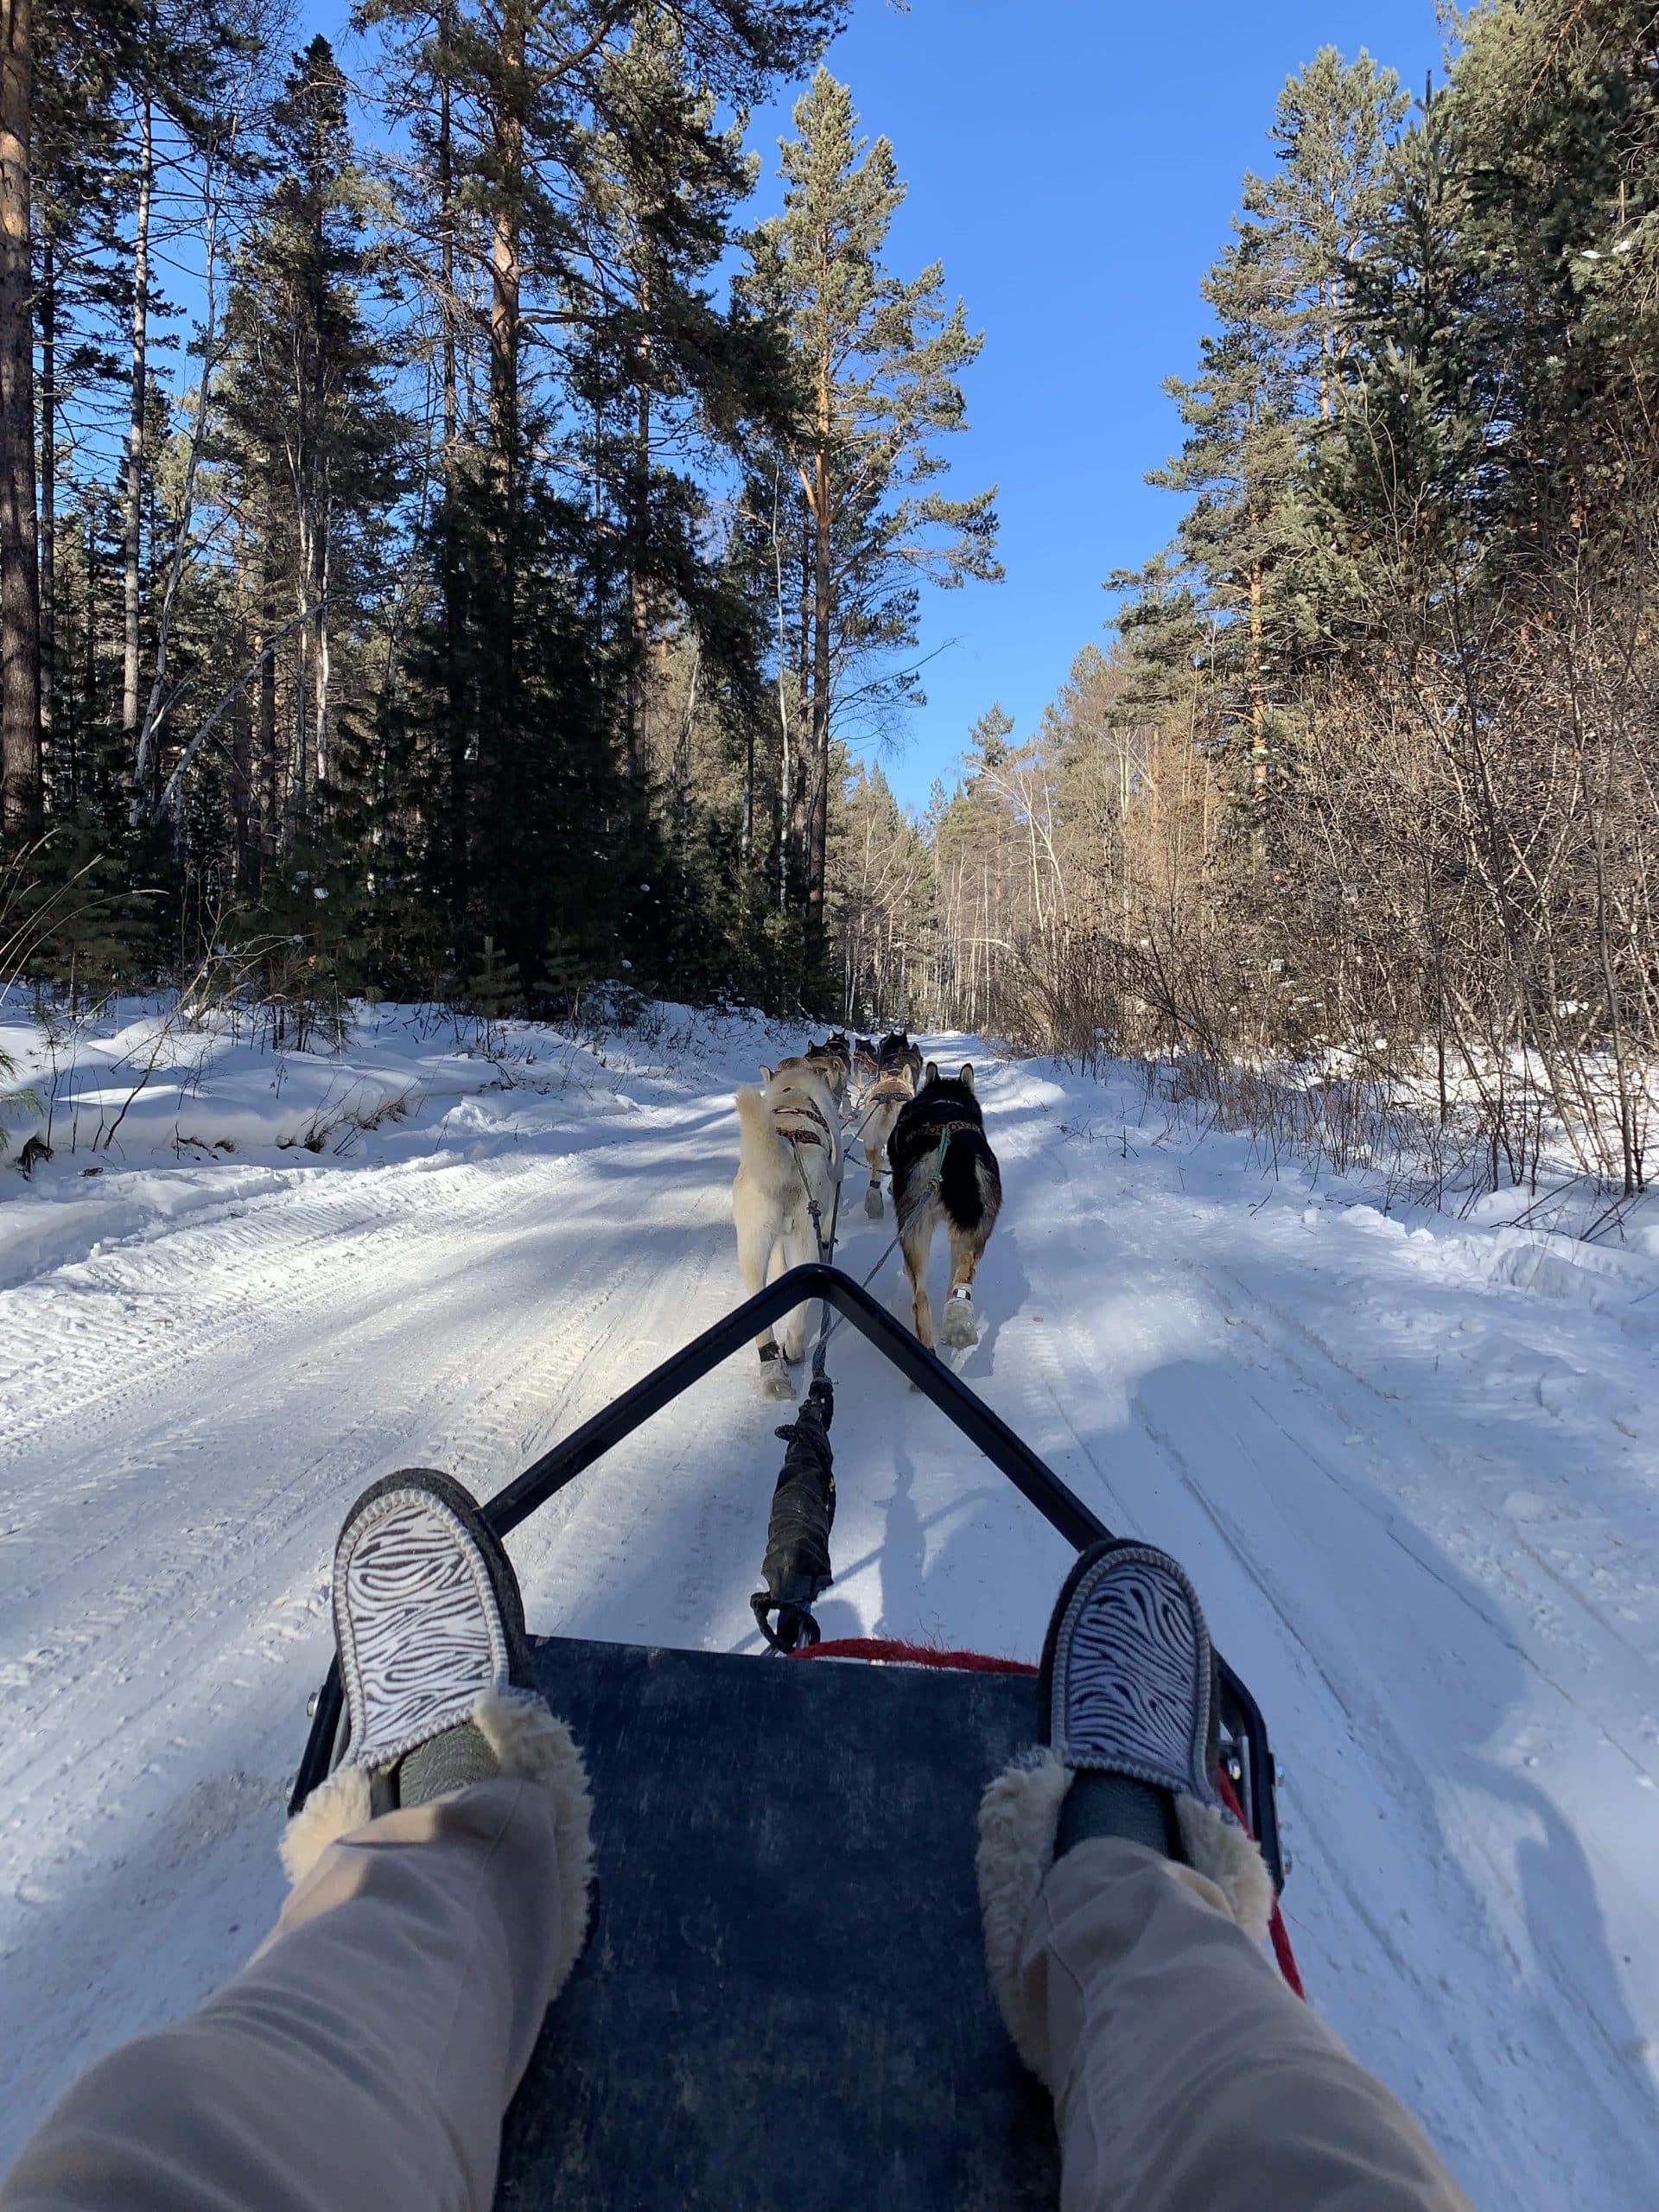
[(435, 1664), (1128, 1698)]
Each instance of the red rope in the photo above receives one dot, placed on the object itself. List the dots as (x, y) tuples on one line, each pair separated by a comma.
[(1277, 1932), (889, 1651)]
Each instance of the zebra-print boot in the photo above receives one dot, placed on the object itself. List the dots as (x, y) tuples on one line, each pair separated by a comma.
[(434, 1665), (428, 1619), (1127, 1748), (1128, 1696)]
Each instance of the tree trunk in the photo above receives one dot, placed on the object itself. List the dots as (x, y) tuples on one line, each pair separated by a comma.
[(299, 774), (819, 824), (1258, 724), (506, 262), (242, 730), (446, 228), (135, 476), (457, 724), (799, 824), (686, 726), (322, 663), (746, 835), (20, 586), (821, 503), (504, 345), (47, 316), (639, 540), (268, 700)]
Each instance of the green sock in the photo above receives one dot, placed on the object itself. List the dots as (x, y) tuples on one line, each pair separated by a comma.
[(460, 1756)]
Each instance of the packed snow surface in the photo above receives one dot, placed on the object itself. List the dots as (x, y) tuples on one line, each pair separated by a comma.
[(1412, 1463)]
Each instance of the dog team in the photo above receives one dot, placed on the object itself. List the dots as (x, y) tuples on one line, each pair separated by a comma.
[(929, 1131)]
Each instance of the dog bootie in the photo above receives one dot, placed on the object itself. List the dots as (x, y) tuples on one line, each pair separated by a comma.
[(956, 1328), (436, 1669), (1127, 1748)]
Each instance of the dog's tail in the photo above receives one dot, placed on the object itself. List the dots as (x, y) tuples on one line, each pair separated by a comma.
[(759, 1147), (970, 1187)]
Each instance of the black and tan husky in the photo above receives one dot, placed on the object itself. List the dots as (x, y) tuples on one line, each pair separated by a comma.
[(944, 1170), (896, 1051)]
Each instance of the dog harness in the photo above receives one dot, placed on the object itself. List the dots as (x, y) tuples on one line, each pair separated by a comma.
[(818, 1136), (948, 1129)]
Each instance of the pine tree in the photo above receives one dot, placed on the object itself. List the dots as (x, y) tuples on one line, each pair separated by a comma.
[(74, 158), (1324, 204), (1271, 379), (317, 441), (1398, 482), (1240, 466), (1556, 132), (878, 361), (988, 741), (665, 375)]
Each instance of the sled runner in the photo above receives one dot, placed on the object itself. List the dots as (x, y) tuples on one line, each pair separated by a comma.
[(784, 2002)]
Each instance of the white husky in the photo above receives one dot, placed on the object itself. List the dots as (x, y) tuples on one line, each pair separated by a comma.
[(789, 1154)]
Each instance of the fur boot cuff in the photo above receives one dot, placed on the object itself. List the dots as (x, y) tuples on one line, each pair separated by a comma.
[(531, 1745), (1019, 1818)]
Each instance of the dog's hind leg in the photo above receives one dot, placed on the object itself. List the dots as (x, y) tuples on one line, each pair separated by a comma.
[(956, 1321), (917, 1242), (799, 1246), (757, 1259), (877, 1130)]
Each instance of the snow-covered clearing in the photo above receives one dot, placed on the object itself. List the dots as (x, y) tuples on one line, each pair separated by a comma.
[(1412, 1463)]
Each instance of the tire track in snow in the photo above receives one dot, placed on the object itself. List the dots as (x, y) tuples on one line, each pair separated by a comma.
[(1392, 1915), (168, 1561)]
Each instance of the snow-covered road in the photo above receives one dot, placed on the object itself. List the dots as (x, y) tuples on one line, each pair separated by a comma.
[(1413, 1467)]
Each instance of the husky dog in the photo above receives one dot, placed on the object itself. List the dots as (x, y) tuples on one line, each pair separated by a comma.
[(944, 1170), (832, 1061), (865, 1065), (892, 1087), (789, 1153), (896, 1051)]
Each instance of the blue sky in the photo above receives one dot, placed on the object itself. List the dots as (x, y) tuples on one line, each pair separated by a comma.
[(1074, 164)]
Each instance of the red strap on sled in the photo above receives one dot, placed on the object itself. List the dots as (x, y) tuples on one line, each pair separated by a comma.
[(889, 1651), (1277, 1932)]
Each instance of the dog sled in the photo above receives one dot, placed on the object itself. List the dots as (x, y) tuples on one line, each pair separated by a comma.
[(784, 2001)]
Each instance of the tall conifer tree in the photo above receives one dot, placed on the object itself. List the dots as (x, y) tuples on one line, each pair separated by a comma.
[(877, 362)]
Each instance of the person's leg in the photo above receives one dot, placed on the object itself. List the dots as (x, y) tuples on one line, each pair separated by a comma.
[(1186, 2076), (1124, 1919), (366, 2055)]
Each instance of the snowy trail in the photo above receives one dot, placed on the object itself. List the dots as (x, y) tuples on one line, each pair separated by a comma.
[(1412, 1470)]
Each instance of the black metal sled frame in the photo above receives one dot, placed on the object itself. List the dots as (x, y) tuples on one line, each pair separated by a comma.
[(1248, 1754)]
